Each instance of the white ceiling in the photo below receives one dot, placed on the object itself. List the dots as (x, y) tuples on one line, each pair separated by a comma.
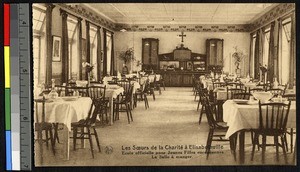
[(182, 13)]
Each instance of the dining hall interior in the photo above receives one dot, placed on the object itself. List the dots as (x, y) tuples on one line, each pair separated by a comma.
[(164, 84)]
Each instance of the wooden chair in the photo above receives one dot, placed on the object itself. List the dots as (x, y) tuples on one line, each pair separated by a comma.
[(256, 89), (82, 129), (232, 91), (291, 97), (98, 92), (81, 91), (242, 95), (276, 91), (235, 84), (41, 126), (217, 130), (149, 89), (203, 95), (218, 84), (125, 84), (61, 90), (272, 122), (156, 85), (291, 131), (141, 94), (123, 100)]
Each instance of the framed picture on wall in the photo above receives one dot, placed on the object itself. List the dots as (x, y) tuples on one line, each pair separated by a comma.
[(56, 52)]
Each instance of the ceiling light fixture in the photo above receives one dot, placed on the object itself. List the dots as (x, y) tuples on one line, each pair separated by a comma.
[(123, 30)]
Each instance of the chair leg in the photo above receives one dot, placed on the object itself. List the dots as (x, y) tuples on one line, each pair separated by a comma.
[(201, 113), (232, 142), (146, 100), (97, 139), (130, 113), (159, 90), (283, 149), (264, 139), (74, 137), (127, 112), (47, 138), (292, 131), (153, 94), (255, 141), (209, 141), (277, 147), (52, 140), (90, 140), (199, 101), (56, 132)]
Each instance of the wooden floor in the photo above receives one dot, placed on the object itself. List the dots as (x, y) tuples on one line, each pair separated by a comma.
[(158, 136)]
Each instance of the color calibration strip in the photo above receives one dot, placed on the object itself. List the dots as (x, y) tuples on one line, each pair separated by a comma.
[(15, 86), (7, 86), (24, 68)]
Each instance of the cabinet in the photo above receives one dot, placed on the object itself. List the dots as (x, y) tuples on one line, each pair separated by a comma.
[(214, 51), (150, 53)]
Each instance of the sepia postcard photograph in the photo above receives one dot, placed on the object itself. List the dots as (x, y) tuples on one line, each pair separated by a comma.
[(164, 84)]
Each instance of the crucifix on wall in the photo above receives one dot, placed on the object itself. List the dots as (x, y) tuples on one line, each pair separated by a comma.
[(182, 35)]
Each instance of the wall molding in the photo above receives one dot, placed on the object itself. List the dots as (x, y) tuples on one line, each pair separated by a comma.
[(88, 14), (184, 27), (278, 11)]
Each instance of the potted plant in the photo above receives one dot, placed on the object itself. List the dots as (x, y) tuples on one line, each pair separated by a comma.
[(127, 55), (238, 56)]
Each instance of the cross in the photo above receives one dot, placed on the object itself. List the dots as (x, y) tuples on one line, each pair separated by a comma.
[(182, 35)]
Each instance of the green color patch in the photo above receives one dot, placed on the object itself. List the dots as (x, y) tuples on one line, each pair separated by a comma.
[(7, 109)]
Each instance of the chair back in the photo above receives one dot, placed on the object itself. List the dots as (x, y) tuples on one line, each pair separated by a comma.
[(273, 117), (61, 90), (128, 94), (218, 84), (265, 86), (125, 84), (290, 97), (97, 92), (209, 112), (276, 91), (257, 89), (232, 91), (242, 95), (95, 109), (40, 104), (82, 91)]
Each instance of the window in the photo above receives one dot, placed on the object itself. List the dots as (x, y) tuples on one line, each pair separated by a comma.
[(266, 46), (39, 41), (284, 58), (38, 18), (93, 52), (73, 51)]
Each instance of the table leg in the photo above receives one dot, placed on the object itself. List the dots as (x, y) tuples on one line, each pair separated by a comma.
[(67, 145), (242, 146)]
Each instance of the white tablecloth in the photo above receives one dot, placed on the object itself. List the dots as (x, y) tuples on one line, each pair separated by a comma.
[(240, 117), (112, 93), (221, 93), (66, 112)]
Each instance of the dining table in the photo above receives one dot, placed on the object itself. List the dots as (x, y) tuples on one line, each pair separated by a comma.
[(242, 117), (66, 111), (112, 92)]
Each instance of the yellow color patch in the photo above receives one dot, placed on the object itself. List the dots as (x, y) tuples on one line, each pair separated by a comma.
[(7, 66)]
